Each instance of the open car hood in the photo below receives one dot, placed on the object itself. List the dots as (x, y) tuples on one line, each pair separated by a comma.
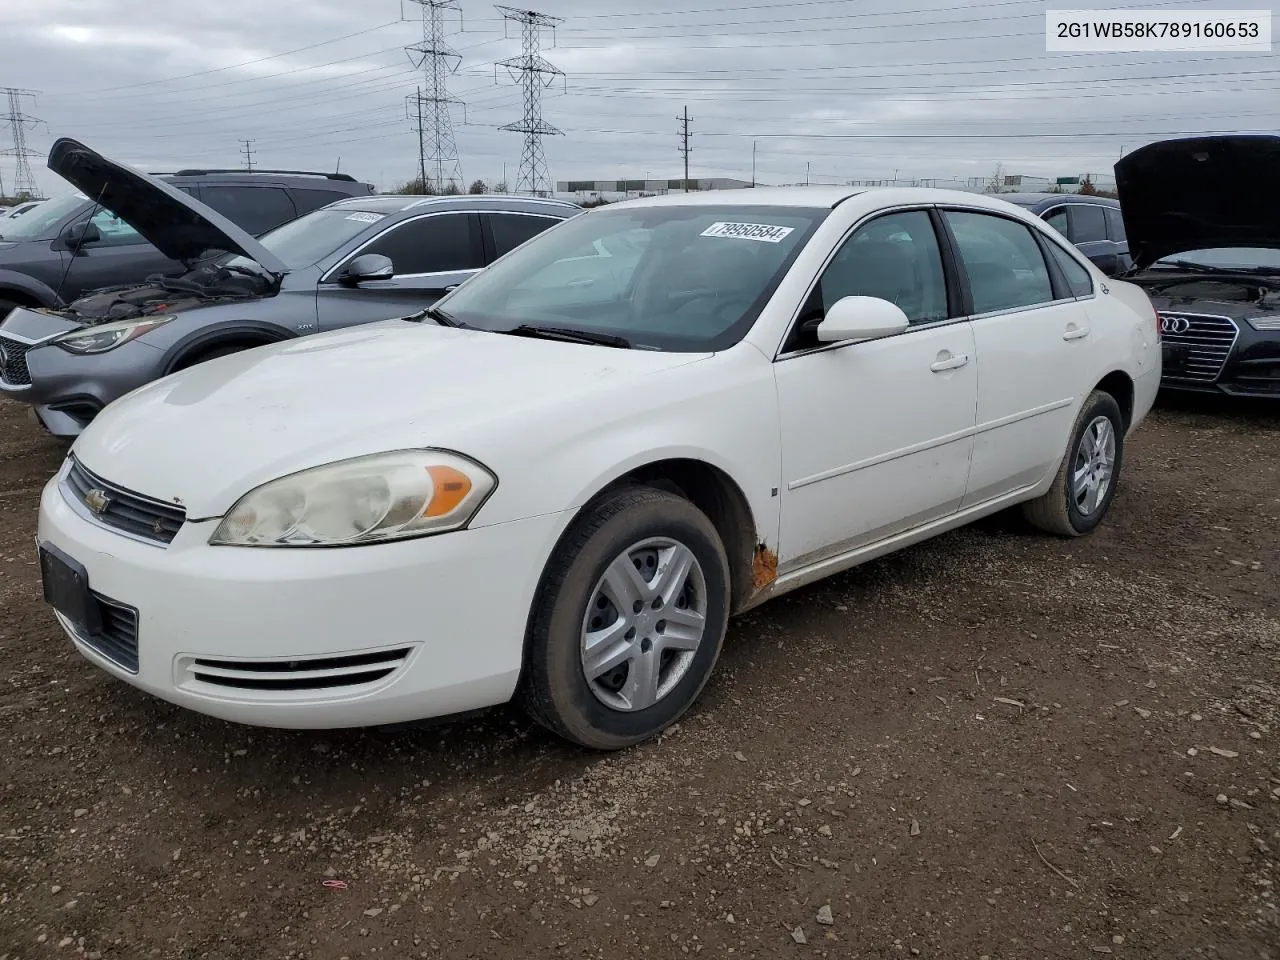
[(1199, 192), (177, 224)]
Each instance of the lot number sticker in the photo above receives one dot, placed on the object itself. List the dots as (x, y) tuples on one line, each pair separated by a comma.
[(762, 232), (366, 217)]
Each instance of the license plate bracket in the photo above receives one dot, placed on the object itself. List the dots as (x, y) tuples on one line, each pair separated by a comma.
[(66, 589)]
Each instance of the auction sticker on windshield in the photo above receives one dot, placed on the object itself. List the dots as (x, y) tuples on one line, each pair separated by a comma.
[(763, 232), (366, 217)]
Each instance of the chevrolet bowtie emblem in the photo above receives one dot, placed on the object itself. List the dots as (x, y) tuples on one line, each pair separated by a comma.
[(97, 500)]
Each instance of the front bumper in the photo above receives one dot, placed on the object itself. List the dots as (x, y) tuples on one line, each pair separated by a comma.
[(68, 390), (309, 637)]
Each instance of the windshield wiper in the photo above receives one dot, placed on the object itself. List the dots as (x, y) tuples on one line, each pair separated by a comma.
[(569, 335), (442, 317), (1192, 267)]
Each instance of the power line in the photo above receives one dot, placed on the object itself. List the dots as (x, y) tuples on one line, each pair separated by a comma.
[(436, 143), (24, 180), (535, 73)]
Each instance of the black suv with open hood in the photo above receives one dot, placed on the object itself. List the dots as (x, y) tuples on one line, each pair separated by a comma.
[(1202, 216)]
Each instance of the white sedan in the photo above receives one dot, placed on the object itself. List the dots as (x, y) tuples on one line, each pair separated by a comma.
[(558, 484)]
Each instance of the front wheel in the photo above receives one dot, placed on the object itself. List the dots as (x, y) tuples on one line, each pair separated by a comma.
[(629, 621), (1086, 481)]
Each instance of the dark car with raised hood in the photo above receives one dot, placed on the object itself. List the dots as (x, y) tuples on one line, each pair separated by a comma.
[(48, 257), (354, 261), (1092, 223), (1203, 219)]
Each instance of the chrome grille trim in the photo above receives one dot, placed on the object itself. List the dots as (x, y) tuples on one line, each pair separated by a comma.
[(14, 373), (131, 514), (1209, 339)]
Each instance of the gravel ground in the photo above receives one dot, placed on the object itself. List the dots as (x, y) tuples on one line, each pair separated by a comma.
[(995, 745)]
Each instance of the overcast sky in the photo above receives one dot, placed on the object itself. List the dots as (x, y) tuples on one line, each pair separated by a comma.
[(926, 88)]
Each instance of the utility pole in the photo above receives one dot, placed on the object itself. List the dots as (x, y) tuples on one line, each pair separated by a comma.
[(533, 73), (437, 60), (753, 163), (422, 143), (247, 152), (24, 181), (684, 145)]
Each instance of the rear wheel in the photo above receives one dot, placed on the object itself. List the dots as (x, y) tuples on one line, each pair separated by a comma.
[(1085, 484), (629, 622)]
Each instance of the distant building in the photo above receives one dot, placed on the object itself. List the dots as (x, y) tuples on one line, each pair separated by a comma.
[(618, 189)]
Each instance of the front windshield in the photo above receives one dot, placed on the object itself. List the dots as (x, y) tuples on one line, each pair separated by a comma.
[(1228, 258), (663, 277), (41, 221), (314, 236)]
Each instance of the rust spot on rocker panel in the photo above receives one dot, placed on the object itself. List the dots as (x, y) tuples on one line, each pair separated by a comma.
[(764, 567)]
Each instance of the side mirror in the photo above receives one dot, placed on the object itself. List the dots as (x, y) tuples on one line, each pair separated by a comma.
[(81, 234), (370, 266), (1108, 263), (861, 318)]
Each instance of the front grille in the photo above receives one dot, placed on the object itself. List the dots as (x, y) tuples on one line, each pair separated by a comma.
[(317, 673), (118, 638), (13, 362), (121, 509), (1208, 341)]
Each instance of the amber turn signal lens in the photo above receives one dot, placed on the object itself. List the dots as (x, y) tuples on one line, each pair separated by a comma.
[(451, 488)]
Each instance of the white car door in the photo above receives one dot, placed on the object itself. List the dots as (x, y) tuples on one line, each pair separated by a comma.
[(1032, 340), (875, 435)]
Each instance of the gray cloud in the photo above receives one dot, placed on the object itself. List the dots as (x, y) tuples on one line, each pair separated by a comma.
[(926, 88)]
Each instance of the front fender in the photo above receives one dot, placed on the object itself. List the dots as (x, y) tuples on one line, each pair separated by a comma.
[(205, 337), (43, 294)]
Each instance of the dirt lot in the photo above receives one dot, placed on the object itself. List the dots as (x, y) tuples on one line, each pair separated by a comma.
[(995, 745)]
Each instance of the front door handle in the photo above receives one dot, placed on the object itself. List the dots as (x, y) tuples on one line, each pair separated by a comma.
[(1075, 333), (950, 363)]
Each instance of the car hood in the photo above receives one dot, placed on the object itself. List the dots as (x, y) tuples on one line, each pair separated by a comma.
[(207, 435), (176, 223), (1200, 192)]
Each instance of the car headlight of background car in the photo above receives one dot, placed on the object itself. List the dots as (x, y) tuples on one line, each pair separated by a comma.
[(385, 496), (1265, 324), (107, 336)]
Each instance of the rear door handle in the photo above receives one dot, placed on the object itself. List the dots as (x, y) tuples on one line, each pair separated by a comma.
[(951, 363), (1075, 333)]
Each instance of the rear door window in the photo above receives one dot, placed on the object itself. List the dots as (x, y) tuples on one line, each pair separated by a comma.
[(307, 199), (509, 230), (1115, 225), (255, 209), (1088, 223)]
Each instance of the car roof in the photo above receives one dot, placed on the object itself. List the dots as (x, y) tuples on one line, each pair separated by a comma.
[(407, 203), (1034, 199), (812, 197)]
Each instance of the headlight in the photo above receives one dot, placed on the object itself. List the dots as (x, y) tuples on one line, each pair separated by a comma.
[(1265, 324), (107, 336), (386, 496)]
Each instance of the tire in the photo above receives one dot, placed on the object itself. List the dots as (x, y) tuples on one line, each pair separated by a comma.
[(1063, 510), (618, 709)]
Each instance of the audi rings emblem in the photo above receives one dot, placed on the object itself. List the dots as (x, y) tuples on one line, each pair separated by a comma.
[(1169, 324)]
